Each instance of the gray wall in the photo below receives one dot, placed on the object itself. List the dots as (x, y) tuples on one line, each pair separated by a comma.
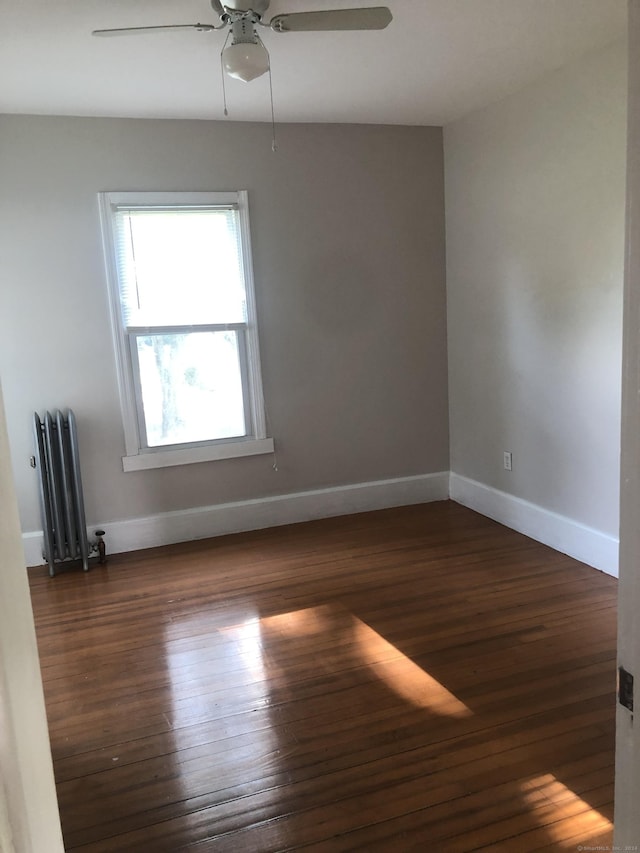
[(535, 191), (348, 240)]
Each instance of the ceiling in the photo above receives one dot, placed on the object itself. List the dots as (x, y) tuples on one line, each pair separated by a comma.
[(437, 60)]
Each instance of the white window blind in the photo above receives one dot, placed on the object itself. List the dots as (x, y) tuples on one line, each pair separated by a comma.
[(180, 266)]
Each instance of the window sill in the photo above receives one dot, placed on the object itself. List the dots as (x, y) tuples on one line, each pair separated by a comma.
[(168, 458)]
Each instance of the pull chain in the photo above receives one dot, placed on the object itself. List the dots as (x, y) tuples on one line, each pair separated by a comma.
[(224, 90), (274, 147)]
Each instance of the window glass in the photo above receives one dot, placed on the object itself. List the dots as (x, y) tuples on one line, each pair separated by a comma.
[(191, 387)]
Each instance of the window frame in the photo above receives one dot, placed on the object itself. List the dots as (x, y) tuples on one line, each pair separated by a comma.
[(138, 455)]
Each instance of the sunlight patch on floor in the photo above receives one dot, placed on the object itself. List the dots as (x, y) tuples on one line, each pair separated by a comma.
[(405, 677), (568, 819), (351, 642)]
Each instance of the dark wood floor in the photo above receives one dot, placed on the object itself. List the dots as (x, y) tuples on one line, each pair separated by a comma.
[(413, 679)]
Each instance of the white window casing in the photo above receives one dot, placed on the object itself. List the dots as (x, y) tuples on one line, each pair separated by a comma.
[(141, 452)]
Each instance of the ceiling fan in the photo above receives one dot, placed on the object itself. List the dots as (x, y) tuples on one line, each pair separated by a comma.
[(246, 57)]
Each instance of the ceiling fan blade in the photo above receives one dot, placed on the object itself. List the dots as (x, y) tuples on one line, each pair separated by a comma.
[(372, 18), (217, 7), (134, 31)]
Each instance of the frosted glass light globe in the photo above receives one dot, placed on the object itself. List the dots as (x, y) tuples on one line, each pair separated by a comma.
[(245, 60)]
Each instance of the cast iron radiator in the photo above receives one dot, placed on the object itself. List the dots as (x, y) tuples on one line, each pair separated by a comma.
[(61, 498)]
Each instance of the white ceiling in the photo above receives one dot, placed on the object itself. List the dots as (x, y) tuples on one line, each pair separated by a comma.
[(437, 60)]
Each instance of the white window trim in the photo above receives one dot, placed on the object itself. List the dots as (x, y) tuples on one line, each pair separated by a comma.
[(137, 457)]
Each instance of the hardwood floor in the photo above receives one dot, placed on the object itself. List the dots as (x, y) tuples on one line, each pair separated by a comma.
[(406, 680)]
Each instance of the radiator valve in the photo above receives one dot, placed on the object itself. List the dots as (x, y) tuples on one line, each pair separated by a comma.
[(102, 548)]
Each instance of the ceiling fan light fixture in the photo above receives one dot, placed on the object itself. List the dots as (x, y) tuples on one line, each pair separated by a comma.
[(245, 60)]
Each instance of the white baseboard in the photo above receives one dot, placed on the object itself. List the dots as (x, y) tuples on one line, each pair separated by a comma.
[(204, 522), (32, 543), (584, 543)]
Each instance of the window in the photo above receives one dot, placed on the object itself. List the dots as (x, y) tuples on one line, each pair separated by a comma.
[(179, 269)]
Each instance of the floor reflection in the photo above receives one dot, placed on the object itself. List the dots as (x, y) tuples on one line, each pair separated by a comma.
[(219, 714)]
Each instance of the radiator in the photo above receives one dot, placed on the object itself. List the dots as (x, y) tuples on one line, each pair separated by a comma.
[(61, 498)]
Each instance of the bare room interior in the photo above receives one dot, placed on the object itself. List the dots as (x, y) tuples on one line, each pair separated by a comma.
[(381, 614)]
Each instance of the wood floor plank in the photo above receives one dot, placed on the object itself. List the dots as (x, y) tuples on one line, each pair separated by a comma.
[(416, 676)]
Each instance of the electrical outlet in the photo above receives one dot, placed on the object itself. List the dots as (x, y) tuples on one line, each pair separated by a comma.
[(508, 462)]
